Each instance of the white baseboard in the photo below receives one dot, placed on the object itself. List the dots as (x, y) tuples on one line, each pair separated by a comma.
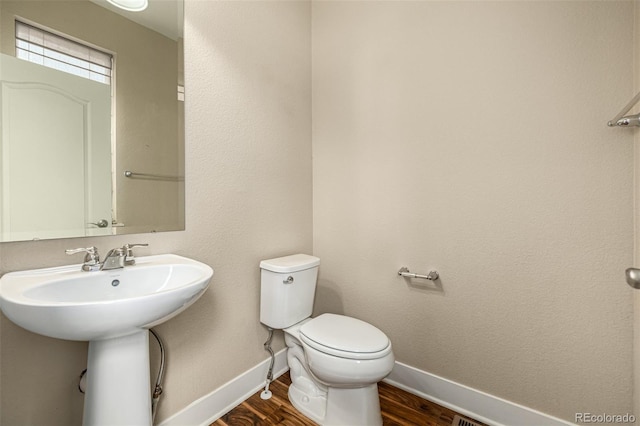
[(211, 407), (476, 404)]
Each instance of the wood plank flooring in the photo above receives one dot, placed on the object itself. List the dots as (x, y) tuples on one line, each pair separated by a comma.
[(399, 408)]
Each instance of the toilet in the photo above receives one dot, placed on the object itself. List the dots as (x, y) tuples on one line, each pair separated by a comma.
[(335, 361)]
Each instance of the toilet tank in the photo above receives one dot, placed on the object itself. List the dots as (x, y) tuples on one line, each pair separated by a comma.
[(287, 289)]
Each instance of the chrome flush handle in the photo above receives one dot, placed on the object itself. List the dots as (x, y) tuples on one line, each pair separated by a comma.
[(633, 277)]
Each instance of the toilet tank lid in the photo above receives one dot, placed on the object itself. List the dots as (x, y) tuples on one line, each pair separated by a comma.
[(288, 264)]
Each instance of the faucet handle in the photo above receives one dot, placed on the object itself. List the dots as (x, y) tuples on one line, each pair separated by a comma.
[(91, 252), (129, 259), (91, 257)]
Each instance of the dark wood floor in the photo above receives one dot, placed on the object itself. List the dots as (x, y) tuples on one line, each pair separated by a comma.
[(399, 408)]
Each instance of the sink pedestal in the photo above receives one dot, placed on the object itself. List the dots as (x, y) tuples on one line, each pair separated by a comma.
[(118, 388)]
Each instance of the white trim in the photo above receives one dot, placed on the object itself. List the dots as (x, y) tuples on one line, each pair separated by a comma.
[(471, 402), (214, 405)]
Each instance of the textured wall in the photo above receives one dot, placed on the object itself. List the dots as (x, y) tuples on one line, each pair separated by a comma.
[(248, 197), (470, 137)]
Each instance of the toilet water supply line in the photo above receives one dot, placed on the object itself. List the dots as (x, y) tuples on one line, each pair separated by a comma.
[(157, 390), (266, 393)]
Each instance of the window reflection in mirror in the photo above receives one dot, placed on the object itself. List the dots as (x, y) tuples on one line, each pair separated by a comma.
[(77, 186)]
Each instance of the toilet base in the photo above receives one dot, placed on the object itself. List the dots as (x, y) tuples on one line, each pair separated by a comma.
[(351, 407), (341, 407), (313, 407), (307, 396), (330, 406), (357, 405)]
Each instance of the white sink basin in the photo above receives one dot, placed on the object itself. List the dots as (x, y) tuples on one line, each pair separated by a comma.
[(66, 303)]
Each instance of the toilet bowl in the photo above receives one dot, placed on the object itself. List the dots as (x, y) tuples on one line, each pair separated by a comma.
[(335, 361), (344, 351)]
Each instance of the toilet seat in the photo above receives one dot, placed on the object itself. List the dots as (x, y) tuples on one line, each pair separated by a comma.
[(345, 337)]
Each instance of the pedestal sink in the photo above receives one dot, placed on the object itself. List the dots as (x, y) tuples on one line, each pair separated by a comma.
[(113, 310)]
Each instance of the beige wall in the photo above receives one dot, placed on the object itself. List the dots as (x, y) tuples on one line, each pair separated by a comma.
[(471, 137), (248, 195), (148, 125)]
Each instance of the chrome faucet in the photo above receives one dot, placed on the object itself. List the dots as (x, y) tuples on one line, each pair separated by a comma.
[(113, 260), (116, 258)]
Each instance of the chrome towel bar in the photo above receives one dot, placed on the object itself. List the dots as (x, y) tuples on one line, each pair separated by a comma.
[(431, 276), (629, 120), (150, 176)]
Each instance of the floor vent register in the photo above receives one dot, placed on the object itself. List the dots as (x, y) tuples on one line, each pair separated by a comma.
[(459, 421)]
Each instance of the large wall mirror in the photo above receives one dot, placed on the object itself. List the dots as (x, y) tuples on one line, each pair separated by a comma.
[(91, 119)]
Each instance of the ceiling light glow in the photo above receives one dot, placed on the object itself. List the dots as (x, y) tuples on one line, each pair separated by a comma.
[(130, 5)]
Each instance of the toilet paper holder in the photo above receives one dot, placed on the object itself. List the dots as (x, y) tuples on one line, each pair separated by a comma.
[(431, 276)]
